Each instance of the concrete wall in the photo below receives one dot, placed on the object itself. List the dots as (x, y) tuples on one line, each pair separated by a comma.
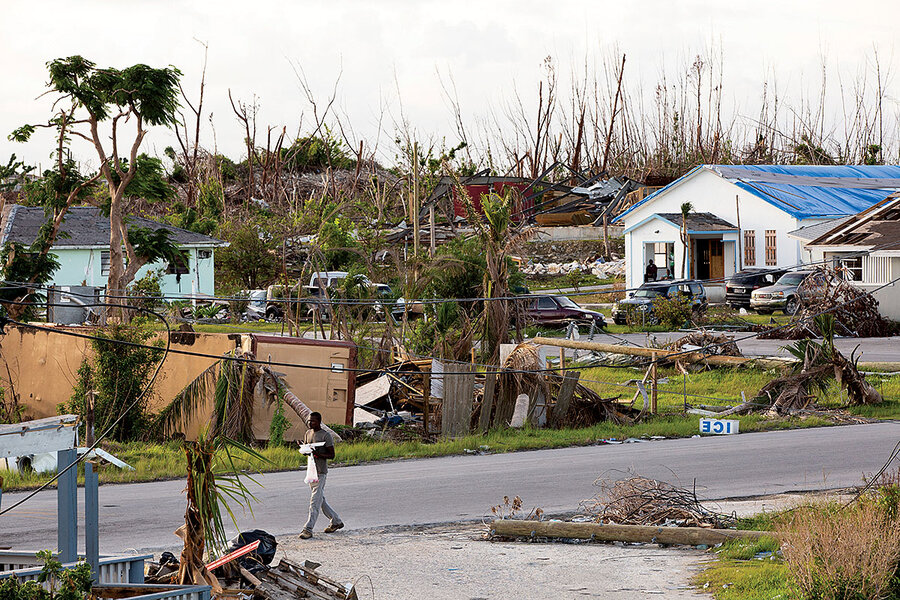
[(710, 193), (79, 266), (576, 233), (41, 366)]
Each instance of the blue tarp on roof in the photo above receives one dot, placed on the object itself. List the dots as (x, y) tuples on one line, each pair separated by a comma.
[(805, 199)]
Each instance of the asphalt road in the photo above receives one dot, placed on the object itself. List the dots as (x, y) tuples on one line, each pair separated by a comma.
[(867, 349), (144, 516)]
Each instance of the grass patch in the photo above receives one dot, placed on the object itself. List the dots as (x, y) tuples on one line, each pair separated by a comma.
[(723, 386), (747, 580)]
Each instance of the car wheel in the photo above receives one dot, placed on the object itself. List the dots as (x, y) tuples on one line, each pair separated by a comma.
[(791, 306), (273, 313)]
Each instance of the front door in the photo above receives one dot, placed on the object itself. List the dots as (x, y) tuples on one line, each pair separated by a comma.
[(709, 256)]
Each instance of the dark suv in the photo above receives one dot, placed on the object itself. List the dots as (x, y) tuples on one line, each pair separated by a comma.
[(642, 298), (742, 284), (558, 311)]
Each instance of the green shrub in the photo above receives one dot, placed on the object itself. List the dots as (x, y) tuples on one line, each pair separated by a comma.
[(65, 584), (116, 375), (672, 312)]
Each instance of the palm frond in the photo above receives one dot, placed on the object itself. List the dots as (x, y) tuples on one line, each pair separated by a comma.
[(187, 403)]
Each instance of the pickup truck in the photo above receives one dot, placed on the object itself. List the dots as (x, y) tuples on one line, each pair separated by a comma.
[(320, 283)]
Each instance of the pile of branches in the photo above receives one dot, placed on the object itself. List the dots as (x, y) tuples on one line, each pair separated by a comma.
[(818, 363), (825, 290), (641, 501), (712, 343), (587, 407)]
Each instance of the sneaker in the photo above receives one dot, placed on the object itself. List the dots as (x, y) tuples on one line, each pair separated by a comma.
[(334, 527), (306, 534)]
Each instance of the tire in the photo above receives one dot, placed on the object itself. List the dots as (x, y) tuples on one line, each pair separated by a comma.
[(791, 306), (273, 313)]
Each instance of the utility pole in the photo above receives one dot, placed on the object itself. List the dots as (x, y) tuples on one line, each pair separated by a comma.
[(415, 201), (737, 210)]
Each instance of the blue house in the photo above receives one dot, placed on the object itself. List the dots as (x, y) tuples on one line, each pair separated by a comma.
[(82, 249), (742, 217)]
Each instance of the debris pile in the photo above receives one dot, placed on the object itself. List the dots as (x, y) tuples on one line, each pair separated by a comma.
[(612, 268), (817, 364), (415, 399), (711, 343), (244, 574), (855, 312), (642, 501)]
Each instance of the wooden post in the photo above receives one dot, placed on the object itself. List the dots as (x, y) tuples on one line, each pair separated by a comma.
[(653, 380), (459, 389), (433, 244), (562, 361), (487, 402), (566, 391), (426, 398)]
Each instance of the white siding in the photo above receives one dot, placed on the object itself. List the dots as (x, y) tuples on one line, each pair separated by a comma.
[(708, 192)]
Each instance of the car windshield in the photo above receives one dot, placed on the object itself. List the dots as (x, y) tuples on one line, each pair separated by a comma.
[(745, 277), (792, 278), (649, 293), (566, 302)]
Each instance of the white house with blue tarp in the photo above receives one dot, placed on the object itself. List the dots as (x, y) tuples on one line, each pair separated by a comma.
[(82, 249), (741, 217)]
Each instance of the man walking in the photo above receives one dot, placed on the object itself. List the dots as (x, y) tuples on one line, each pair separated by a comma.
[(321, 454)]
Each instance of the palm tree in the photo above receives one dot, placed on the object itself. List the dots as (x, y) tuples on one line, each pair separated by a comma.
[(686, 208), (500, 236)]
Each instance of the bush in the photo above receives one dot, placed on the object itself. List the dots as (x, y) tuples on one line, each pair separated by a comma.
[(146, 292), (672, 312), (838, 553), (116, 375)]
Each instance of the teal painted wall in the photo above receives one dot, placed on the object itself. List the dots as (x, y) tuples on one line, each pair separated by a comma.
[(82, 267)]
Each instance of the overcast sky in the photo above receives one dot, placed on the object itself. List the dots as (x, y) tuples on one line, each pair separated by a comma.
[(380, 46)]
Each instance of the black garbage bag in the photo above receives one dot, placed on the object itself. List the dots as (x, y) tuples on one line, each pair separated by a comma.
[(257, 560), (168, 558)]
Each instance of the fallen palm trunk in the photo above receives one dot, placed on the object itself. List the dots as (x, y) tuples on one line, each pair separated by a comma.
[(688, 357), (693, 536)]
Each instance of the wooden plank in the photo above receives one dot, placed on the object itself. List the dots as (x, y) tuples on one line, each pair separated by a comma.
[(459, 389), (374, 390), (566, 391), (487, 402), (601, 532)]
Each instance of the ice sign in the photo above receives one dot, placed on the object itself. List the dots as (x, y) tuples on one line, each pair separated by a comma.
[(719, 426)]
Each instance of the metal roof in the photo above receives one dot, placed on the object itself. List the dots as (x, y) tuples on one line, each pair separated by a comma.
[(811, 232), (877, 228), (85, 227), (805, 191)]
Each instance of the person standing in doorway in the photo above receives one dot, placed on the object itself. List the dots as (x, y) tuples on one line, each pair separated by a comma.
[(650, 273), (321, 454)]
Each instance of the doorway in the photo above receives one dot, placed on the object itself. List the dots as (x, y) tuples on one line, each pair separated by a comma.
[(709, 259)]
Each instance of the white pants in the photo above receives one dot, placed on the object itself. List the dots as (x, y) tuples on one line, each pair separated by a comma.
[(317, 501)]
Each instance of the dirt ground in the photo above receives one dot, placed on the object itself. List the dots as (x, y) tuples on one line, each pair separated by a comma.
[(453, 561)]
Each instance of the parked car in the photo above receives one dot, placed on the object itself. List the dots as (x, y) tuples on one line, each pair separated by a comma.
[(781, 296), (642, 298), (742, 284), (558, 311)]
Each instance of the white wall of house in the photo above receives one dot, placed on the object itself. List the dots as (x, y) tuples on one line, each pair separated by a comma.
[(82, 266), (708, 192)]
